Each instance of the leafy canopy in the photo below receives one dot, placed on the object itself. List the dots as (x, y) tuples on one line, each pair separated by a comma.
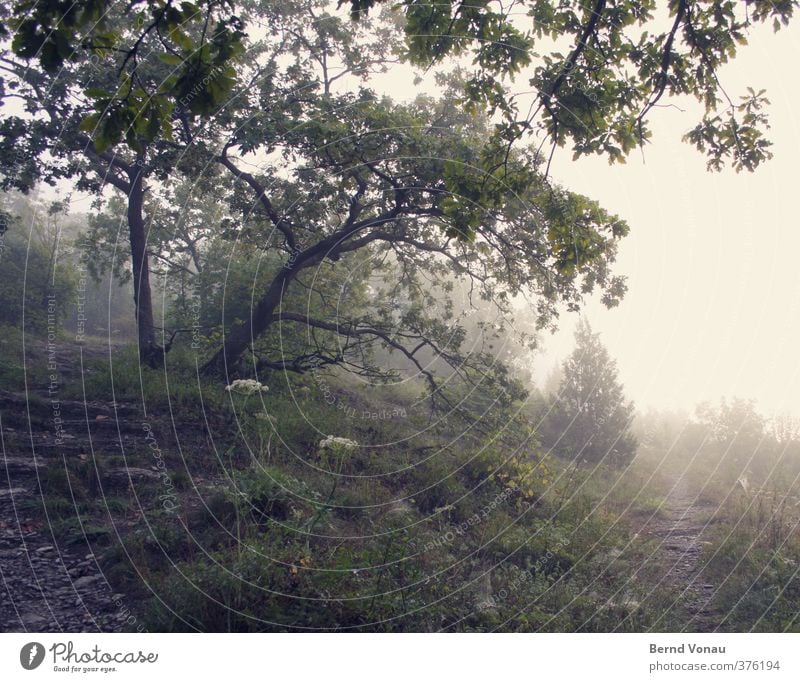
[(200, 42), (597, 68)]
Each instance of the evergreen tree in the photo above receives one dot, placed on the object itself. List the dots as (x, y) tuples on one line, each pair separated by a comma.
[(591, 418)]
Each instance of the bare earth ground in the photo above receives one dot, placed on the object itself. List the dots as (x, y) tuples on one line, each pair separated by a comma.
[(46, 586), (679, 530)]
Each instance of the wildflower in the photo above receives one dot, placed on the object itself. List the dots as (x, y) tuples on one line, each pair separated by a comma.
[(247, 387), (332, 441)]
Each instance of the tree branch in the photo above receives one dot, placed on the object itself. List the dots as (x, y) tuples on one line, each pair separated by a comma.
[(280, 223), (662, 79)]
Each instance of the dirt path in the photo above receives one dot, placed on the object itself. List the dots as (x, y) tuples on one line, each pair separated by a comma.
[(45, 585), (680, 530)]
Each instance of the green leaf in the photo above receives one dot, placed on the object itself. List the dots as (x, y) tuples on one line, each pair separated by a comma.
[(89, 124), (170, 58), (97, 93)]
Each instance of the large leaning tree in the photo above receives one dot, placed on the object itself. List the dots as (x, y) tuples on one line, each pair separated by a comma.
[(352, 193), (375, 178), (131, 94)]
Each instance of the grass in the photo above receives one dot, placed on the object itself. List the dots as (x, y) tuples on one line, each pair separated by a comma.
[(425, 526), (418, 550), (754, 558)]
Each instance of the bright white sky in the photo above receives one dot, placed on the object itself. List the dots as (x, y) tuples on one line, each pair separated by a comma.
[(713, 307)]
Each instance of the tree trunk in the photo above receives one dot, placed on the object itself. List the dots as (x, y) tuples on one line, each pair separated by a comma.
[(149, 351), (261, 318), (243, 334)]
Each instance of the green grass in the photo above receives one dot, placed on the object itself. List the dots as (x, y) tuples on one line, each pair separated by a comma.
[(407, 532)]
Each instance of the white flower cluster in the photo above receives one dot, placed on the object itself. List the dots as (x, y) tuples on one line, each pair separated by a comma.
[(331, 441), (247, 387)]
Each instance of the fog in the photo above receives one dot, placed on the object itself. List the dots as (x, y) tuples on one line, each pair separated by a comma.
[(713, 306)]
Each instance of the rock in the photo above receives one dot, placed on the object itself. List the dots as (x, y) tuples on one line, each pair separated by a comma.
[(122, 478), (12, 492), (86, 581), (33, 621), (23, 465)]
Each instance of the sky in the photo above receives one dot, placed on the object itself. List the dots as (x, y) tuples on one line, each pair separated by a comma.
[(713, 307)]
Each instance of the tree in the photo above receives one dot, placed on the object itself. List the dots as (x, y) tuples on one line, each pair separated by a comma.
[(337, 173), (53, 137), (38, 277), (371, 176), (785, 429), (153, 83), (622, 59), (735, 427), (145, 97), (591, 418), (340, 173)]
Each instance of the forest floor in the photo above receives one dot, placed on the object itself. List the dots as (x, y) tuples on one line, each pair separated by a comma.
[(52, 585), (47, 585)]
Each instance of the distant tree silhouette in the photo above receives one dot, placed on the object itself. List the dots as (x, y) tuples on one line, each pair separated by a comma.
[(590, 417)]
